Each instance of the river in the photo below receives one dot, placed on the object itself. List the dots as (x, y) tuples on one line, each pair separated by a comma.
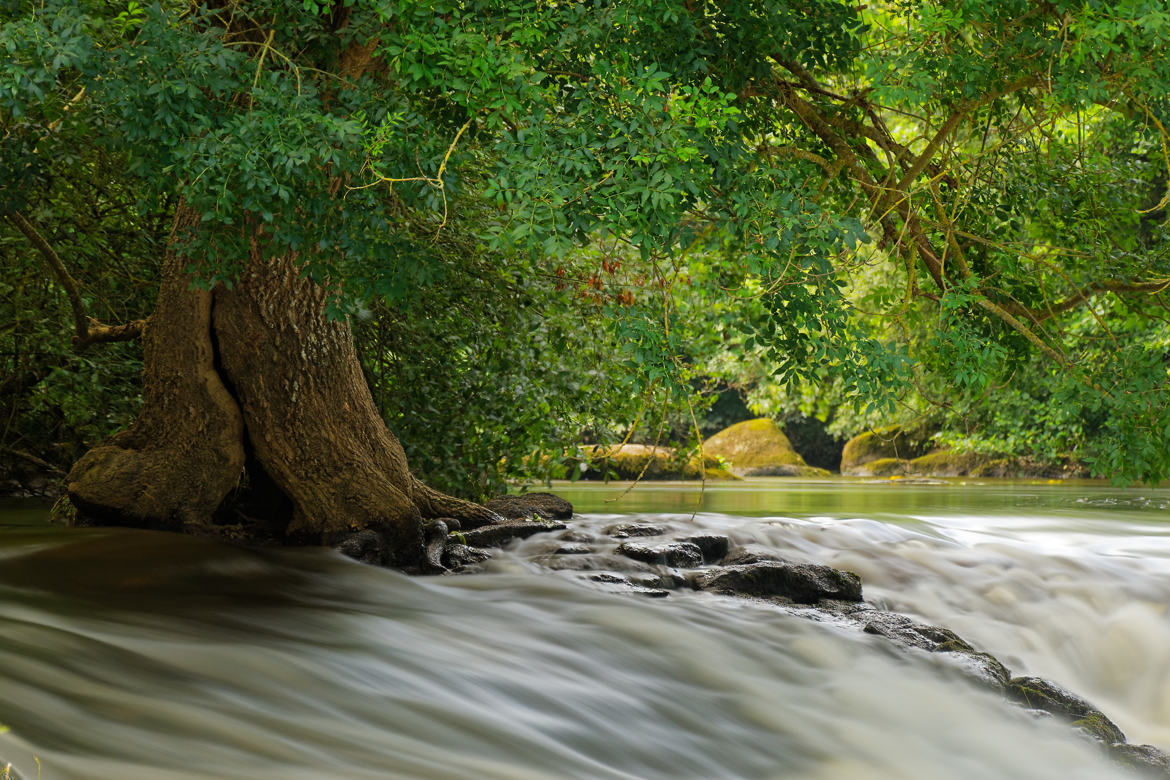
[(136, 655)]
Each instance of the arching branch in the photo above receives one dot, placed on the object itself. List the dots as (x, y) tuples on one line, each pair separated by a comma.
[(86, 329)]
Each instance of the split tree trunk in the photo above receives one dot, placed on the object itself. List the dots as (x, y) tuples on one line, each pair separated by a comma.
[(256, 385)]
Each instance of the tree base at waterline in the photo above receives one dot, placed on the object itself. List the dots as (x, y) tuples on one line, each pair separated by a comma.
[(258, 424)]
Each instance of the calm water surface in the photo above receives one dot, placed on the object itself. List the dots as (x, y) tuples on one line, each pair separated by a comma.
[(128, 654)]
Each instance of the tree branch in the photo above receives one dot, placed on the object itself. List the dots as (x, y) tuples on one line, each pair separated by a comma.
[(932, 147), (80, 317), (86, 329), (33, 459), (1081, 296), (887, 198)]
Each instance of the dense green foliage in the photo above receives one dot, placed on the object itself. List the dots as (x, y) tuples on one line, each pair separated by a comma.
[(547, 215)]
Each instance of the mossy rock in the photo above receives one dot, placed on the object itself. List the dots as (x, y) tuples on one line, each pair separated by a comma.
[(1041, 694), (631, 461), (758, 448), (892, 441), (719, 473), (947, 463), (885, 467), (996, 467), (645, 461)]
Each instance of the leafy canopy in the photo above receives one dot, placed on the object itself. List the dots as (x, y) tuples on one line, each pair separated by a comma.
[(902, 195)]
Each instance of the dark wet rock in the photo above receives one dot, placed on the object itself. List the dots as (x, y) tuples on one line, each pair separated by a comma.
[(1037, 693), (572, 535), (594, 562), (366, 546), (626, 530), (745, 555), (830, 611), (573, 549), (549, 544), (713, 546), (667, 581), (680, 554), (543, 505), (907, 632), (497, 534), (626, 585), (452, 523), (982, 666), (435, 541), (653, 593), (1040, 714), (459, 557), (804, 583), (1146, 758)]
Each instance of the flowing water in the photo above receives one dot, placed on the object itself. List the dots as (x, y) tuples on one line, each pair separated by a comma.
[(128, 654)]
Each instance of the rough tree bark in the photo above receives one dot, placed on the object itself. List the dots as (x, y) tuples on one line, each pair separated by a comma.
[(256, 386)]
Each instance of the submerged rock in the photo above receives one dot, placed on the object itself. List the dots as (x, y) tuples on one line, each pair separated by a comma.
[(366, 546), (743, 555), (626, 585), (594, 562), (804, 583), (1146, 758), (573, 548), (668, 580), (627, 530), (573, 535), (543, 505), (681, 554)]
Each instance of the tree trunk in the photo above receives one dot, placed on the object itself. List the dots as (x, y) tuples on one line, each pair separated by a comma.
[(185, 452), (258, 381)]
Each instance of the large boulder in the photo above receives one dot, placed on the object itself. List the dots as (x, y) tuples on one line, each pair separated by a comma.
[(645, 461), (758, 448), (951, 463), (893, 442), (948, 463)]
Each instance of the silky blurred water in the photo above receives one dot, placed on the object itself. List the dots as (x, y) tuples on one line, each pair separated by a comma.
[(129, 654)]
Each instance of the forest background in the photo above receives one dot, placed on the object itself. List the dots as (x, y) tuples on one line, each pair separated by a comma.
[(947, 215)]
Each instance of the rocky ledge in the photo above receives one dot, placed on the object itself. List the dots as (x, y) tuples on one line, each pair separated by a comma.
[(653, 561)]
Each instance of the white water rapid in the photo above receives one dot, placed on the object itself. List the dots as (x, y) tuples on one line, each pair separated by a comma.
[(145, 656)]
